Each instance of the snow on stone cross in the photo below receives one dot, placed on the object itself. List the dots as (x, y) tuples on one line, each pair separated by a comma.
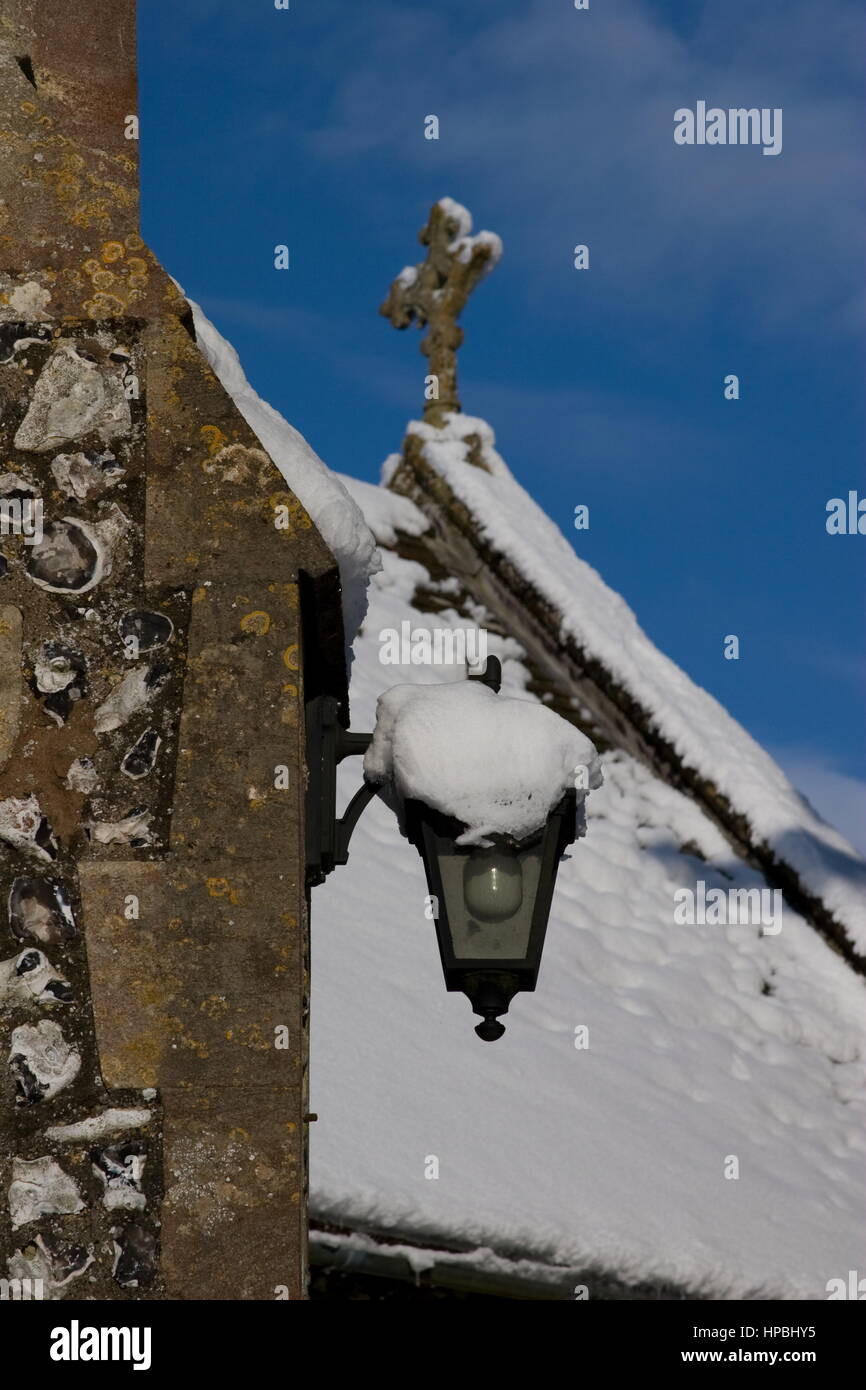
[(434, 294)]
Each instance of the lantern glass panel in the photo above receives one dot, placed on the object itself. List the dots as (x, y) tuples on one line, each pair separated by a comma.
[(490, 897)]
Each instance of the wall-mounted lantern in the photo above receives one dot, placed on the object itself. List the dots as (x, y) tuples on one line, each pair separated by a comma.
[(492, 903)]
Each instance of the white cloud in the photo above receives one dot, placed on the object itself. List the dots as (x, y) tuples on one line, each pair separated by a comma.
[(838, 797)]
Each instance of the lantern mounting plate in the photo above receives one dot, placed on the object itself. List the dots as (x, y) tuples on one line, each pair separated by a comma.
[(328, 743)]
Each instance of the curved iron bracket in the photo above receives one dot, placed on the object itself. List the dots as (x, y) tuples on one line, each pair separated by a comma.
[(328, 743), (352, 814)]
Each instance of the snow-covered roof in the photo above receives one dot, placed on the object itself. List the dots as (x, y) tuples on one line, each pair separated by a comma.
[(656, 1059), (705, 1043), (703, 741)]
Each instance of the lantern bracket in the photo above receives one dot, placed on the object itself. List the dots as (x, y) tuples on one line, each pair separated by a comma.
[(328, 743)]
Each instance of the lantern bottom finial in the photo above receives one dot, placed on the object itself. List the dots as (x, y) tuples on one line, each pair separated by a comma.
[(490, 1029), (490, 993)]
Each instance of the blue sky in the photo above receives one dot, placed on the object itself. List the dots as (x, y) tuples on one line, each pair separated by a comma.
[(305, 127)]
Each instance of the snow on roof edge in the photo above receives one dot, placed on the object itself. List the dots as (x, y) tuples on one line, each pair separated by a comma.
[(355, 1251), (332, 509)]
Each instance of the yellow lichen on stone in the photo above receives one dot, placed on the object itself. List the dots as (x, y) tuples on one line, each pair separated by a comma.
[(213, 438), (221, 888), (251, 1036), (193, 1045), (214, 1005), (257, 622), (66, 185), (89, 213), (105, 306)]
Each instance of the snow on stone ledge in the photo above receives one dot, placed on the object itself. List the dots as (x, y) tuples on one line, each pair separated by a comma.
[(497, 764), (336, 515), (705, 736), (446, 448)]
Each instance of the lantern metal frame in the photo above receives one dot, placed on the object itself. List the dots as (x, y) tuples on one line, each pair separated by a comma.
[(490, 986)]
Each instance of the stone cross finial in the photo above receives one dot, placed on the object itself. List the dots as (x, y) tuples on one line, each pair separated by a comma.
[(434, 294)]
